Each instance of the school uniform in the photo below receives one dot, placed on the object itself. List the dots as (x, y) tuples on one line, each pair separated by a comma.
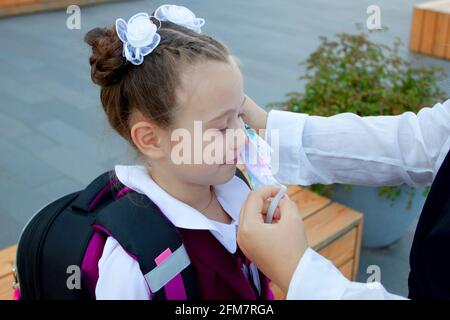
[(222, 270), (372, 151)]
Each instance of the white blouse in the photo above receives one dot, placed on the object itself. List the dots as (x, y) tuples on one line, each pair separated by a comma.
[(120, 277), (346, 148)]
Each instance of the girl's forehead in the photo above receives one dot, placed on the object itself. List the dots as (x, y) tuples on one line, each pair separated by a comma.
[(210, 88)]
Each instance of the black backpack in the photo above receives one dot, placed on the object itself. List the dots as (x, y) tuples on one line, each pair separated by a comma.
[(59, 248)]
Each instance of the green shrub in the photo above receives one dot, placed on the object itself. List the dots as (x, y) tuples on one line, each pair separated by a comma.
[(350, 73)]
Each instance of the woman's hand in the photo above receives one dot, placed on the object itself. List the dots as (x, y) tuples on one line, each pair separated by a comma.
[(254, 115), (275, 248)]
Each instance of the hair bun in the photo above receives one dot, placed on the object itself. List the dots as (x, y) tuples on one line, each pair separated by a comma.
[(106, 60)]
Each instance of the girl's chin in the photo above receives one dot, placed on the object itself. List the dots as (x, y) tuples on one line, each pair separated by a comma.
[(226, 173)]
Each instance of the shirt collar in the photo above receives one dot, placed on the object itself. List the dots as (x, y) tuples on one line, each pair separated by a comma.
[(231, 196)]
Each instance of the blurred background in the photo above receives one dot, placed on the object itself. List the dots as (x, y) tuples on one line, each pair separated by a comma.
[(53, 135)]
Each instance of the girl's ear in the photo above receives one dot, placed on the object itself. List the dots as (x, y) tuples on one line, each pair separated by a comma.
[(147, 138)]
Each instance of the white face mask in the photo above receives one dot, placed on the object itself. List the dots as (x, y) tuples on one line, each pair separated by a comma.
[(257, 158)]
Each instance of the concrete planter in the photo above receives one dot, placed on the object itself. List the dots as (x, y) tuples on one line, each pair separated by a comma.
[(384, 222)]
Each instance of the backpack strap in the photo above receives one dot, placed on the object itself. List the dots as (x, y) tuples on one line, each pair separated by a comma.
[(146, 235)]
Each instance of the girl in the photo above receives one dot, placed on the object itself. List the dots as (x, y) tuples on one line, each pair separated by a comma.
[(159, 75)]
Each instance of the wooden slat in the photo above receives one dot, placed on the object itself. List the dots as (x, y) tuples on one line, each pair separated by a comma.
[(447, 42), (293, 190), (347, 269), (6, 290), (6, 3), (416, 30), (341, 250), (309, 202), (430, 29), (428, 32), (329, 224), (43, 5), (358, 249), (442, 28), (7, 256)]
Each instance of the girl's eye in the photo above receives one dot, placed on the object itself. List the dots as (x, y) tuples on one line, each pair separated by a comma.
[(240, 115)]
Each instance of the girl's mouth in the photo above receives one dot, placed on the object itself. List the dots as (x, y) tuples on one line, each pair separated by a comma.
[(233, 161)]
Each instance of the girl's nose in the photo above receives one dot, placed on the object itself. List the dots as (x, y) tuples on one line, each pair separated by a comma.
[(240, 140)]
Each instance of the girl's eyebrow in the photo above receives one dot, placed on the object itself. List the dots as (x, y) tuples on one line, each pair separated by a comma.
[(227, 111)]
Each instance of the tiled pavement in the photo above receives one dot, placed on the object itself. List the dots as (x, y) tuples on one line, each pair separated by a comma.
[(53, 134)]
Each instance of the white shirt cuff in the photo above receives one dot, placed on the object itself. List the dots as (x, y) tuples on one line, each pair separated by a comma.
[(290, 164), (316, 278), (284, 133)]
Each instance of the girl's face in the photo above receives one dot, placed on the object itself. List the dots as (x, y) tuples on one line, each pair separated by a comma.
[(203, 144)]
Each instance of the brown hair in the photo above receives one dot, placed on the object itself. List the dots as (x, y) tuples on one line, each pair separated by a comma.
[(149, 87)]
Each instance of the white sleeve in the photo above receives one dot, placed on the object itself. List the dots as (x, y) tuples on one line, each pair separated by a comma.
[(316, 278), (373, 151), (120, 277)]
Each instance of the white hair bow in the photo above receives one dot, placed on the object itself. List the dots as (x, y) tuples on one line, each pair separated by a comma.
[(139, 35), (179, 15)]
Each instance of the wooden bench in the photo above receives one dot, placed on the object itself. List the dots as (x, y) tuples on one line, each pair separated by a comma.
[(430, 29), (332, 229), (7, 257), (16, 7)]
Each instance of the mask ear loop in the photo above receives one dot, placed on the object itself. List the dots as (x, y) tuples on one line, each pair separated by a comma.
[(154, 19), (274, 203)]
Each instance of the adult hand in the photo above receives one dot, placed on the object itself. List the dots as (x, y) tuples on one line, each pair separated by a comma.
[(254, 115), (275, 248)]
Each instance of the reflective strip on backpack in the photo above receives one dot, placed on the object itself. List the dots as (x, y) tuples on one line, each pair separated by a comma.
[(169, 269)]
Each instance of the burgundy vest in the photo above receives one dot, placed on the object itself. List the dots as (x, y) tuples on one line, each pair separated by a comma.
[(219, 273)]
